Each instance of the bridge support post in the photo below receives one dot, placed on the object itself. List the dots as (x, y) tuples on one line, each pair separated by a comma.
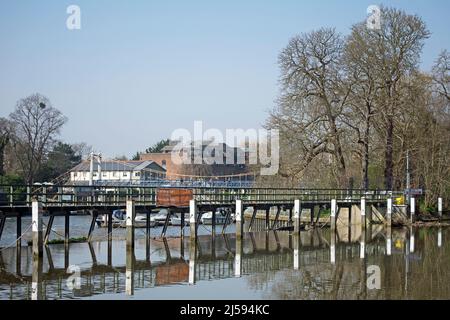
[(36, 278), (389, 213), (130, 216), (239, 220), (439, 242), (333, 214), (333, 247), (440, 207), (297, 212), (412, 204), (193, 219), (36, 218)]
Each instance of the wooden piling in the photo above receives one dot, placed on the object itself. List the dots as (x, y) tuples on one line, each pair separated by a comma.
[(193, 219), (239, 219), (333, 214), (130, 259), (36, 217), (297, 212), (129, 223), (412, 204), (238, 257)]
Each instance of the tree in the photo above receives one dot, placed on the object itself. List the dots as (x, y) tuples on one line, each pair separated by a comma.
[(59, 160), (5, 134), (392, 53), (313, 96), (157, 147), (36, 124)]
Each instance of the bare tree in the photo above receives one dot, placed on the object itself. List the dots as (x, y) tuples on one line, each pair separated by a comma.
[(313, 96), (5, 134), (36, 123)]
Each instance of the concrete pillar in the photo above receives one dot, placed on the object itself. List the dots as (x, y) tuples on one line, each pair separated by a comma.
[(192, 257), (440, 206), (333, 214), (238, 258), (239, 219), (440, 238), (412, 203), (389, 212), (129, 271), (297, 212), (129, 223), (36, 218), (193, 219)]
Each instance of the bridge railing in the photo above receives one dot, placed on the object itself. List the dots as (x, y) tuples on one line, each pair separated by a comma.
[(110, 196)]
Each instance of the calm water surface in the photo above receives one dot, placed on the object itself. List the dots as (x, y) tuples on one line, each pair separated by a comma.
[(410, 264)]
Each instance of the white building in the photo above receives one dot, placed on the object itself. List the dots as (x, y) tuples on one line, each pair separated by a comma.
[(110, 172)]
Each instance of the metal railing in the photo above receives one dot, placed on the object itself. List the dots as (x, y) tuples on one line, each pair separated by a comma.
[(95, 196)]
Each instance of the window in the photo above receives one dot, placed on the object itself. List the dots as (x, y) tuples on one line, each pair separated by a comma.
[(104, 174), (125, 174), (95, 174), (75, 174), (114, 174), (137, 174)]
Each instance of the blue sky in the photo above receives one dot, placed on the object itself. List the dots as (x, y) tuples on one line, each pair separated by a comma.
[(137, 70)]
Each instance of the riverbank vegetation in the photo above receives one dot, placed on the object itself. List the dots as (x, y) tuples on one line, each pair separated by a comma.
[(352, 108)]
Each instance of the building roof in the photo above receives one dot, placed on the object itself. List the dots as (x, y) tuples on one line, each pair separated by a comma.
[(119, 166)]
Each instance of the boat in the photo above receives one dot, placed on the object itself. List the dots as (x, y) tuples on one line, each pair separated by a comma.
[(176, 220), (161, 216), (221, 216), (119, 220)]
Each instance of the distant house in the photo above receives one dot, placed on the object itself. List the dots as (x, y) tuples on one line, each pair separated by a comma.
[(175, 172), (111, 172)]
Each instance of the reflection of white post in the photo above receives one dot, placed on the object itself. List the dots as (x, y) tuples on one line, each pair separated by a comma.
[(296, 239), (389, 241), (333, 247), (36, 281), (440, 237), (411, 240), (297, 209), (239, 219), (413, 208), (389, 212), (333, 214), (440, 206), (238, 258)]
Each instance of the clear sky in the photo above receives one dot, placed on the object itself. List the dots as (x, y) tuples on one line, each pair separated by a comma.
[(137, 70)]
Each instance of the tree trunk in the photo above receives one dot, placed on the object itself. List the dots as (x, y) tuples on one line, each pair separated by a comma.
[(388, 170)]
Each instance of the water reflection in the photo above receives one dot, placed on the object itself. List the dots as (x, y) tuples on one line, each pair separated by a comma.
[(316, 264)]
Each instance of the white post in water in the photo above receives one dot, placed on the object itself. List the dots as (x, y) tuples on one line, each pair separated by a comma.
[(363, 215), (333, 214), (440, 237), (411, 239), (239, 219), (36, 220), (389, 241), (389, 212), (129, 271), (333, 247), (413, 209), (297, 211), (130, 211), (440, 206), (193, 219)]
